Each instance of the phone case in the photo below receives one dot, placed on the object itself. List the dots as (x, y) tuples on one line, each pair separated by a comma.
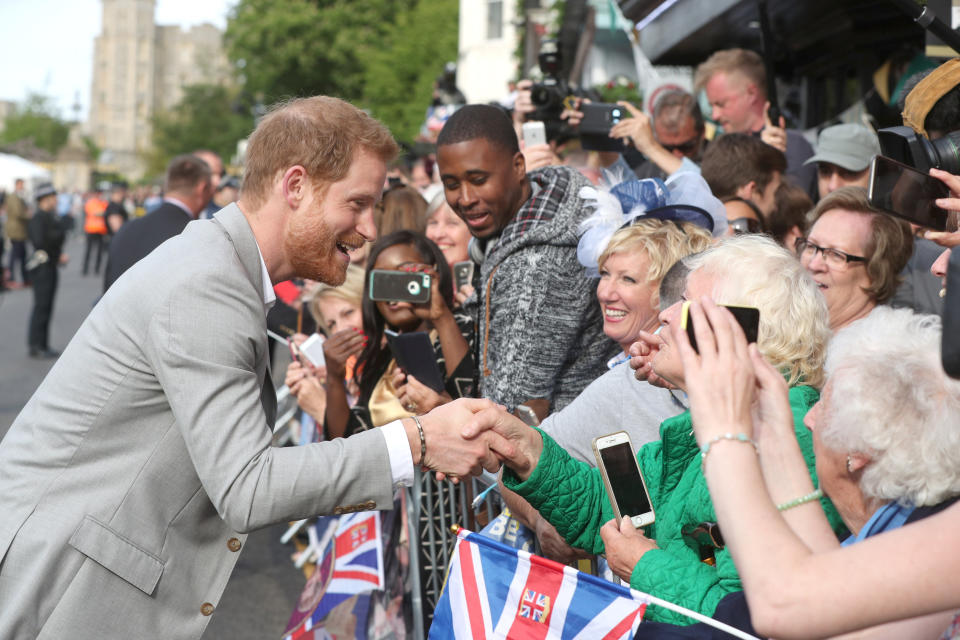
[(747, 317), (400, 286), (534, 133), (462, 273), (414, 354), (641, 520)]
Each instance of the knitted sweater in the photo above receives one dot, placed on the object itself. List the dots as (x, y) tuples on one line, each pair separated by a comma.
[(539, 326), (571, 496)]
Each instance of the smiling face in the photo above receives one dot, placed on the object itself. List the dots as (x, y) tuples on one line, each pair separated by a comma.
[(339, 314), (398, 315), (332, 219), (626, 297), (668, 364), (450, 233), (484, 184), (842, 286)]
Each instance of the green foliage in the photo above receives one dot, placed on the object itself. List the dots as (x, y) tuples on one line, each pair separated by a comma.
[(288, 48), (36, 118), (208, 116), (400, 74)]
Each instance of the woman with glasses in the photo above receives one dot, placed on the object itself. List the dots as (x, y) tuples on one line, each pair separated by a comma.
[(855, 254)]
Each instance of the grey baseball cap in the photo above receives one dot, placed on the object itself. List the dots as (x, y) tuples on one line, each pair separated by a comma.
[(850, 146)]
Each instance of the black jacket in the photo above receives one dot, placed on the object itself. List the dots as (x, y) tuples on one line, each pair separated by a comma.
[(46, 233), (137, 238)]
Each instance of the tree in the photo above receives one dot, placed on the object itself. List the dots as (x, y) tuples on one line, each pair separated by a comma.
[(289, 48), (209, 116), (36, 118), (398, 81)]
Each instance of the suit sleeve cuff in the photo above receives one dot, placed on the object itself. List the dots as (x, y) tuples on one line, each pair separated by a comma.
[(398, 448)]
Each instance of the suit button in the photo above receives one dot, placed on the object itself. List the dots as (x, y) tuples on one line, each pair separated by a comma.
[(369, 505), (206, 608), (234, 544)]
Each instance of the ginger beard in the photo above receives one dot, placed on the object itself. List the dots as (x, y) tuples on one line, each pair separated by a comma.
[(315, 252)]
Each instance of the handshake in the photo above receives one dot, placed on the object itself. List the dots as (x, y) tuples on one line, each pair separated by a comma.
[(467, 435)]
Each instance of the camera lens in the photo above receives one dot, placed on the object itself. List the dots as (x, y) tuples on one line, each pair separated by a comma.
[(413, 288), (946, 152)]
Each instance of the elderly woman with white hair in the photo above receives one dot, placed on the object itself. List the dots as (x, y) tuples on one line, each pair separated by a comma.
[(886, 433), (671, 561)]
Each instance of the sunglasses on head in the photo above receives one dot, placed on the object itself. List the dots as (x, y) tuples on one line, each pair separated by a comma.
[(745, 225)]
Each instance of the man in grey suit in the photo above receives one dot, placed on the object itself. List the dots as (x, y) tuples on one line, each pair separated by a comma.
[(130, 478)]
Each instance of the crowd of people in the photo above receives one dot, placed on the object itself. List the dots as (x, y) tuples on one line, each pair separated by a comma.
[(560, 283)]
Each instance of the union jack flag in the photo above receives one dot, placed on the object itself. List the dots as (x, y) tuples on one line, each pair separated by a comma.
[(493, 591), (351, 564)]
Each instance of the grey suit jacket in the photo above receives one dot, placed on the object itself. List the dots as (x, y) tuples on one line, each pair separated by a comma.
[(128, 481)]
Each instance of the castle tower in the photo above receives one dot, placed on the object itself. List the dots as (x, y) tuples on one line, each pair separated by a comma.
[(122, 93)]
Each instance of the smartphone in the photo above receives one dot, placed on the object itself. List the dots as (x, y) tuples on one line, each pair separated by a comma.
[(534, 133), (399, 286), (294, 350), (626, 489), (414, 354), (528, 415), (462, 273), (747, 317), (594, 129), (312, 350), (907, 193)]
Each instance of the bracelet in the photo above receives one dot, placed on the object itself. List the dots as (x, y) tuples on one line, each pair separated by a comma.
[(423, 441), (735, 437), (810, 497)]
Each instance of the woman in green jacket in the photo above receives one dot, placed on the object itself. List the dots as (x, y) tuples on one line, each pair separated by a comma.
[(676, 558)]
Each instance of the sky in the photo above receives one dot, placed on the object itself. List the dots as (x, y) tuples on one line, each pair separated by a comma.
[(46, 46)]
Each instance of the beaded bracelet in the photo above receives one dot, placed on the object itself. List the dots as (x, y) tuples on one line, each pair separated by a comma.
[(796, 502), (736, 437), (423, 441)]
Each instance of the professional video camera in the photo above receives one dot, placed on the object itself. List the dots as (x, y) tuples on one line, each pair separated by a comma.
[(907, 146)]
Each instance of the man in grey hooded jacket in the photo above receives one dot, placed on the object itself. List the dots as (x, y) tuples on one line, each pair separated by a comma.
[(540, 331)]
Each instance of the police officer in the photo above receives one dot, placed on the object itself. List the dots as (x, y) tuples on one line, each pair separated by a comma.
[(47, 234)]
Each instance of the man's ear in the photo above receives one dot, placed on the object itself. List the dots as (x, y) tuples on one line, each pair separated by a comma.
[(747, 191), (519, 166), (293, 185)]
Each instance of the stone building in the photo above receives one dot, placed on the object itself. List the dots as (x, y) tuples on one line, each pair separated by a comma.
[(140, 68)]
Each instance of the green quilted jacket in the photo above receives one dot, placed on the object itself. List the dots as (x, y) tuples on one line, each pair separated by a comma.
[(571, 496)]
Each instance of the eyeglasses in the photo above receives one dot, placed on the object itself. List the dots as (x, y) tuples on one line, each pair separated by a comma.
[(833, 257), (745, 225), (684, 147)]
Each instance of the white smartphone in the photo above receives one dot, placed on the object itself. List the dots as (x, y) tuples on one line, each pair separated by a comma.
[(534, 133), (312, 350), (622, 478)]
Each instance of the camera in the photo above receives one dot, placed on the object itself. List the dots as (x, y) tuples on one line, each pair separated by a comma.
[(905, 145), (550, 94)]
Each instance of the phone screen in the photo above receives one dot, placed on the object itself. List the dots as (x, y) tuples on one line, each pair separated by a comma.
[(907, 193), (625, 481)]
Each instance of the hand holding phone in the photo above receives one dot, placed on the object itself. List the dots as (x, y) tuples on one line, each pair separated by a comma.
[(622, 479), (462, 274), (312, 350)]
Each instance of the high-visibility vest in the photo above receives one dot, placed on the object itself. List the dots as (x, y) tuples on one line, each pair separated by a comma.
[(94, 221)]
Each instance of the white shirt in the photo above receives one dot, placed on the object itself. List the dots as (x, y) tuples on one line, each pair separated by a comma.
[(398, 448)]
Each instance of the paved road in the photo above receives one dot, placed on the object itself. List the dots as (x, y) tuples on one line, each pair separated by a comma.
[(265, 585)]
